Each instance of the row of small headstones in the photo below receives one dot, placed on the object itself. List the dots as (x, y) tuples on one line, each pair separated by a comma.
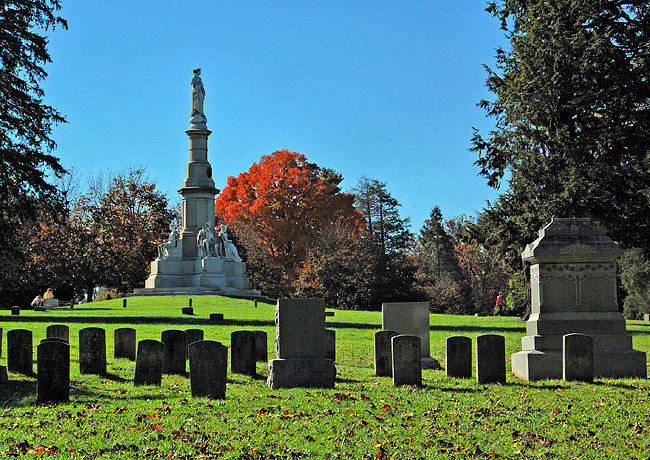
[(399, 356), (208, 358)]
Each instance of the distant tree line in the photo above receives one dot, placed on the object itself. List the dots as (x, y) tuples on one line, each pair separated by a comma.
[(302, 236)]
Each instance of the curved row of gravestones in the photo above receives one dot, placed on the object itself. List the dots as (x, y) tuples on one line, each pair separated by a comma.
[(208, 358), (398, 355)]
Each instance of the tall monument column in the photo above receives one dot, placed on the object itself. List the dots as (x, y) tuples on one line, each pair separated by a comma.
[(198, 190), (198, 258)]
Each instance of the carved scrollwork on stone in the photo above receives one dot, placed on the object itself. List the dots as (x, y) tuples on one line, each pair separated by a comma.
[(578, 248)]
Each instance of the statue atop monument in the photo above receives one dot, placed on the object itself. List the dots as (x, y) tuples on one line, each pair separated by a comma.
[(197, 117), (198, 93)]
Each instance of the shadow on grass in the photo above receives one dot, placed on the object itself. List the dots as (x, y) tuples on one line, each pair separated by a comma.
[(617, 385), (135, 320), (14, 392), (115, 378), (453, 389)]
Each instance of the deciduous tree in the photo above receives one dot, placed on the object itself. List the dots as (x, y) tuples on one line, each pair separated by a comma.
[(285, 201)]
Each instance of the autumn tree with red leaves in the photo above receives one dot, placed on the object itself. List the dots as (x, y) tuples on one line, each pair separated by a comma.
[(278, 206)]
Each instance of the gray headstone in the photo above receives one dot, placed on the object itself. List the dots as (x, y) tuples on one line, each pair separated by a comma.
[(216, 316), (261, 346), (60, 331), (15, 311), (242, 352), (54, 339), (383, 353), (193, 335), (330, 344), (125, 343), (3, 373), (646, 317), (459, 357), (20, 352), (300, 325), (408, 318), (406, 351), (148, 364), (92, 351), (491, 358), (175, 351), (578, 357), (53, 370), (187, 311), (208, 367)]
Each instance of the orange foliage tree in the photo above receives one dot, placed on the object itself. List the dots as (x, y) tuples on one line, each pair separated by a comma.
[(280, 204)]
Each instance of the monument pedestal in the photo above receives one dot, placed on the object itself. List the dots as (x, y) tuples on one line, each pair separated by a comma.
[(573, 290)]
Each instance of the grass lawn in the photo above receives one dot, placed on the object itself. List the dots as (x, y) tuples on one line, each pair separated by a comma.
[(363, 417)]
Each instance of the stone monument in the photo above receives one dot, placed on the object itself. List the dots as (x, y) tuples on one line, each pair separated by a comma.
[(197, 259), (300, 346), (573, 290)]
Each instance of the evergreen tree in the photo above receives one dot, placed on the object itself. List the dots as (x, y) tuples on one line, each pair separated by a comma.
[(438, 273), (25, 122), (435, 247), (392, 240), (572, 114), (389, 231)]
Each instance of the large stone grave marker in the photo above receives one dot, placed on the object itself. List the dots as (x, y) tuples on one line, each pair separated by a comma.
[(242, 352), (300, 346), (410, 318), (58, 331), (383, 353), (92, 351), (407, 369), (459, 357), (261, 349), (175, 351), (208, 363), (578, 357), (149, 362), (20, 352), (573, 290), (491, 358), (53, 370), (124, 339), (193, 335)]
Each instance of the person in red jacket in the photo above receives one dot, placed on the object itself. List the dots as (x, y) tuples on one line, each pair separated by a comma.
[(499, 306)]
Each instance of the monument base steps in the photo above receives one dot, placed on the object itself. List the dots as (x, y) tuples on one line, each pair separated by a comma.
[(547, 364), (554, 342)]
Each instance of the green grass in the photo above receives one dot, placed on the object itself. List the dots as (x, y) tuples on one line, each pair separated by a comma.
[(363, 417)]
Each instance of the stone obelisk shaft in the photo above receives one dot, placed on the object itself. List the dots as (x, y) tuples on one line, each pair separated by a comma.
[(198, 190)]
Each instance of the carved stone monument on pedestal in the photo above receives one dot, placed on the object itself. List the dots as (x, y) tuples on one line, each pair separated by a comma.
[(197, 259), (573, 290)]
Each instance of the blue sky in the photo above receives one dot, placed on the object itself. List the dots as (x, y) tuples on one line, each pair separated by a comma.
[(382, 89)]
